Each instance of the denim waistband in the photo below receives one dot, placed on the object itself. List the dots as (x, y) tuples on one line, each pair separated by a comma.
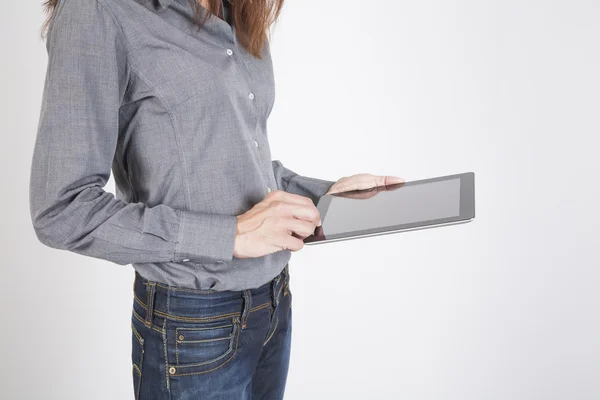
[(155, 302)]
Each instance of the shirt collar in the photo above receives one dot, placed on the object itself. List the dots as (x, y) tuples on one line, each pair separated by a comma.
[(165, 3)]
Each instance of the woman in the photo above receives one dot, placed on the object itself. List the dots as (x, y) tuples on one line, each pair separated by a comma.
[(173, 97)]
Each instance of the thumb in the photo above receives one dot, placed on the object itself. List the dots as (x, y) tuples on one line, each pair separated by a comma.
[(391, 180)]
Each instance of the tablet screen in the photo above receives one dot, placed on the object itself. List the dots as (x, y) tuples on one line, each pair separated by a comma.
[(412, 205), (415, 203)]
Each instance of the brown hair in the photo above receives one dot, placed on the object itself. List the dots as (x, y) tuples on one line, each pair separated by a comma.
[(251, 18)]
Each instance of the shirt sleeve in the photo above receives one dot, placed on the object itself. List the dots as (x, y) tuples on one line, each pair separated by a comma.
[(291, 182), (74, 150)]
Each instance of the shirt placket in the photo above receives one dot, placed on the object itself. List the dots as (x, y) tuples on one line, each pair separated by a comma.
[(238, 58)]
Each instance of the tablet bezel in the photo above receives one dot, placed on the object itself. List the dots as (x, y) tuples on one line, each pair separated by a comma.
[(467, 211)]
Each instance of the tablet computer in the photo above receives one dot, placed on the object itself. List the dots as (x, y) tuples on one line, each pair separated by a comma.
[(427, 203)]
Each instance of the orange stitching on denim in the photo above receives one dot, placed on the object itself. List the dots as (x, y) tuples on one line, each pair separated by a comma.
[(198, 319), (188, 319), (278, 293), (208, 328), (177, 341), (150, 295), (137, 334), (141, 361), (229, 349), (237, 339), (164, 335), (263, 305), (204, 340), (144, 322), (139, 301), (286, 285), (201, 329), (137, 316), (271, 335), (248, 307)]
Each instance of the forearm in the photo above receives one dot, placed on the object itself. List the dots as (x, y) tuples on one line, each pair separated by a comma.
[(74, 150), (292, 182)]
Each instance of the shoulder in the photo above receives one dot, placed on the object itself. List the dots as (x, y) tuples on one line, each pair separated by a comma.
[(85, 12), (86, 28), (92, 19)]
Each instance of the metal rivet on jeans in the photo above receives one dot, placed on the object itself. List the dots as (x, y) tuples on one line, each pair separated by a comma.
[(172, 370)]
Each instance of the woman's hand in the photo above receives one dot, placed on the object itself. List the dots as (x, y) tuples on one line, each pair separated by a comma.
[(280, 222), (362, 181)]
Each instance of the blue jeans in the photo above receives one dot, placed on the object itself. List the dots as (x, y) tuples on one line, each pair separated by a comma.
[(194, 344)]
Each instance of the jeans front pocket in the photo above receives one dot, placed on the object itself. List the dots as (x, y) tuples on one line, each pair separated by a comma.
[(137, 357), (286, 288), (201, 347), (286, 284)]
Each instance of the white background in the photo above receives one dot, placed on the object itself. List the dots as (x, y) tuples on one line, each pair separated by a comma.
[(506, 307)]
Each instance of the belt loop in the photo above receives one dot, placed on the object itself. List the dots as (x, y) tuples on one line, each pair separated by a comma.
[(150, 294), (247, 305)]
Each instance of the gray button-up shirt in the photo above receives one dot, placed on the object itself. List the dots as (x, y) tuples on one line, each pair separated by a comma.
[(179, 117)]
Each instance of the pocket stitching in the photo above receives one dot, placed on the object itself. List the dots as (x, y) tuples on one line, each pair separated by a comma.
[(177, 341), (286, 284), (231, 352), (186, 319), (273, 332), (135, 367)]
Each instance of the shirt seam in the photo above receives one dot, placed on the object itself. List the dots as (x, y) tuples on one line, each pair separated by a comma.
[(289, 181), (145, 250), (131, 69), (181, 160), (128, 46), (178, 241), (55, 17), (128, 67), (165, 105), (117, 24)]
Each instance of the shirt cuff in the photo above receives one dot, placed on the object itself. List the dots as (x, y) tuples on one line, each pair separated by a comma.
[(312, 188), (205, 238)]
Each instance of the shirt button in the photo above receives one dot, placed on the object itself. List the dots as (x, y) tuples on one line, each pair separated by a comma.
[(251, 96), (229, 52), (256, 143), (268, 189)]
